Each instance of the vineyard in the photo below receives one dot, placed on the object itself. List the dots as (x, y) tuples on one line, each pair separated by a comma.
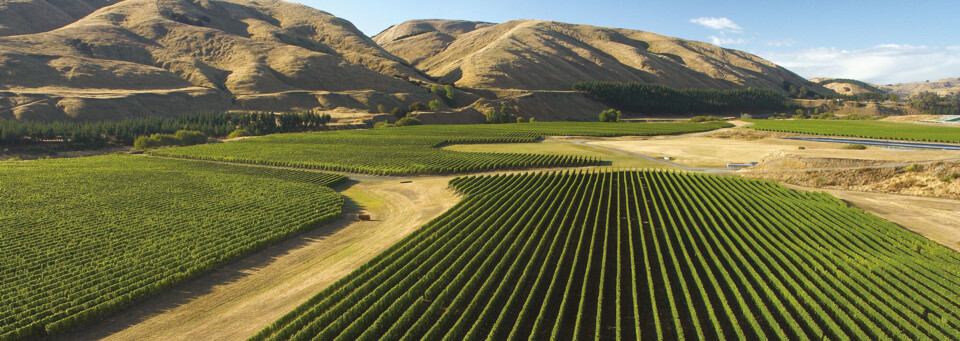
[(415, 149), (642, 254), (82, 237), (863, 129)]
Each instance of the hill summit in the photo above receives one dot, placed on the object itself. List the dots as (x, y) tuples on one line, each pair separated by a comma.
[(548, 55), (148, 57), (112, 59)]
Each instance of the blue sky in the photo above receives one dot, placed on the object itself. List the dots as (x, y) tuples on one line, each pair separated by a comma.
[(877, 41)]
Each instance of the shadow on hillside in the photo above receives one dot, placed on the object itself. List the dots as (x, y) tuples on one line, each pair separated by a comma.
[(191, 289)]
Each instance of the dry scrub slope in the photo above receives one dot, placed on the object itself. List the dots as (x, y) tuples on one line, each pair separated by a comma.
[(24, 16), (846, 88), (936, 179), (943, 87), (547, 55), (133, 59)]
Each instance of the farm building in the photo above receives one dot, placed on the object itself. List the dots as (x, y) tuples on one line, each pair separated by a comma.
[(740, 165)]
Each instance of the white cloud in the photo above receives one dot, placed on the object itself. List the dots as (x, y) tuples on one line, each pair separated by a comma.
[(724, 40), (881, 64), (722, 24), (782, 43)]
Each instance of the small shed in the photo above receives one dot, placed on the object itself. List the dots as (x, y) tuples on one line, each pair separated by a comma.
[(363, 217), (740, 165)]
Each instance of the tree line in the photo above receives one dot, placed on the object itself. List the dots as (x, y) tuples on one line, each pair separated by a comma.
[(657, 99), (125, 132), (934, 104)]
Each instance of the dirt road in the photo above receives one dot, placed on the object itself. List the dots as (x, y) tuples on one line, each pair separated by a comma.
[(241, 298)]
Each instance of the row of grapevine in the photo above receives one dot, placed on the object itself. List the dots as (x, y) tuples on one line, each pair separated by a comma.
[(82, 237), (641, 255), (416, 149), (863, 129)]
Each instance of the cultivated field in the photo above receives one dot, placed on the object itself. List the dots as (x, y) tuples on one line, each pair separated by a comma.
[(415, 150), (935, 218), (863, 129), (625, 255), (84, 236), (566, 254), (243, 297)]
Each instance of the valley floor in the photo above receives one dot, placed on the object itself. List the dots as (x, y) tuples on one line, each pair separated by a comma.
[(243, 297)]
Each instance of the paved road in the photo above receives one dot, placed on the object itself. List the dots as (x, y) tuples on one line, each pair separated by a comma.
[(881, 143)]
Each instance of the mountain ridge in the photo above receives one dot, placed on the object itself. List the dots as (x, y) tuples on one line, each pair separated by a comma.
[(549, 55), (138, 58), (219, 54)]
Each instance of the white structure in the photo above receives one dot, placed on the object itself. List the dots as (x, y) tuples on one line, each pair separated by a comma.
[(947, 120), (740, 165)]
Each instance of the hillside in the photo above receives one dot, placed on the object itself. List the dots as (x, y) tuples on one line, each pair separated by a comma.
[(32, 16), (145, 58), (418, 39), (943, 87), (547, 55), (139, 58), (846, 86)]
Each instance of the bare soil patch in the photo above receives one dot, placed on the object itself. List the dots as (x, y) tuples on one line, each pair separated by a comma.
[(933, 179), (720, 147)]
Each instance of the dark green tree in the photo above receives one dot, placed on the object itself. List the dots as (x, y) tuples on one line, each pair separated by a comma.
[(610, 115), (498, 116), (450, 94), (191, 137), (645, 98), (417, 106), (399, 112), (408, 121)]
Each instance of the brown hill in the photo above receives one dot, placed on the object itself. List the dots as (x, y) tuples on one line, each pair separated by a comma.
[(32, 16), (147, 57), (547, 55), (415, 40), (943, 87), (846, 86), (144, 57)]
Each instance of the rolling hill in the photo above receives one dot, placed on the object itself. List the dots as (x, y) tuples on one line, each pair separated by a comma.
[(33, 16), (943, 87), (846, 86), (143, 58), (107, 59), (547, 55)]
